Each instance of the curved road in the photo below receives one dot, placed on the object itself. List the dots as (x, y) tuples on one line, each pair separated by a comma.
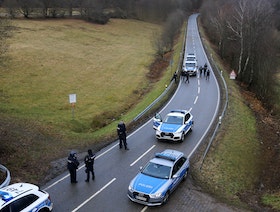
[(114, 168)]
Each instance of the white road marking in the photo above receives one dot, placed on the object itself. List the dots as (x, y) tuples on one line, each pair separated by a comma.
[(196, 98), (56, 182), (85, 202), (142, 155), (108, 150), (144, 209)]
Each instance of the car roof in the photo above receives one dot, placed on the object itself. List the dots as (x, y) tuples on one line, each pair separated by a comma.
[(15, 190), (190, 62), (178, 113), (168, 157)]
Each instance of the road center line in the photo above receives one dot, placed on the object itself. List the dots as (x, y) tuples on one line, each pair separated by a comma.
[(85, 202), (142, 155), (196, 98)]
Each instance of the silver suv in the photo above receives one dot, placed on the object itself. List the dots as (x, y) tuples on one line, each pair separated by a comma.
[(190, 65)]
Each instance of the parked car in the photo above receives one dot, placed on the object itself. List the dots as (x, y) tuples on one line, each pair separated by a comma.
[(191, 57), (24, 197), (159, 178), (174, 126), (190, 67)]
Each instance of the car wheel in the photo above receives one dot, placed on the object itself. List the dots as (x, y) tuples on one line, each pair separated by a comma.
[(166, 197), (44, 210), (186, 175), (191, 127)]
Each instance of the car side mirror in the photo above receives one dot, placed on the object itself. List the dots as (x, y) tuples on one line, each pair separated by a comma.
[(141, 167), (175, 176), (158, 117)]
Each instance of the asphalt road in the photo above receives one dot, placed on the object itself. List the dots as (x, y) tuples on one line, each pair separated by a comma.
[(114, 168)]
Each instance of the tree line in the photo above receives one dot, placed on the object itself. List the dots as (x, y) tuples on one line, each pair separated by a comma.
[(151, 10), (246, 33)]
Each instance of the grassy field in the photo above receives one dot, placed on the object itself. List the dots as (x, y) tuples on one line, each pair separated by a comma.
[(48, 60)]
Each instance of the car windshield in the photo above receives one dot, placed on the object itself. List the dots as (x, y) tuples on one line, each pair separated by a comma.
[(157, 170), (174, 120), (192, 65), (190, 58)]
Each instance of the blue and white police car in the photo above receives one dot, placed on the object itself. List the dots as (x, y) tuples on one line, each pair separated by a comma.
[(159, 178), (24, 197), (175, 125)]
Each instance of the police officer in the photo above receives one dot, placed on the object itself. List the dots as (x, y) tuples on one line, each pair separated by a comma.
[(121, 130), (89, 161), (205, 69), (72, 165)]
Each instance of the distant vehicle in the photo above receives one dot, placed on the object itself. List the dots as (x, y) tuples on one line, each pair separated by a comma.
[(159, 178), (190, 67), (174, 126), (191, 57), (24, 197)]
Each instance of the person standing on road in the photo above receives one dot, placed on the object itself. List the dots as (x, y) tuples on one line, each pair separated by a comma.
[(174, 77), (121, 130), (204, 69), (89, 162), (200, 71), (72, 165), (207, 74), (187, 77)]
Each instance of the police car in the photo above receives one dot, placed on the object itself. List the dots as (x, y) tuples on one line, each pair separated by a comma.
[(24, 197), (175, 126), (159, 178), (191, 57)]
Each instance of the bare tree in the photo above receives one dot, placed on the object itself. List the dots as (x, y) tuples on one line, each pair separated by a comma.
[(246, 28), (236, 23), (11, 7), (158, 44), (164, 42)]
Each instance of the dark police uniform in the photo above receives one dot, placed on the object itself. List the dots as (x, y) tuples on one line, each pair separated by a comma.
[(72, 165), (122, 135), (89, 161)]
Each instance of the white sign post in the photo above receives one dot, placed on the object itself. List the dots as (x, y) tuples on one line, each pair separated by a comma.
[(72, 101)]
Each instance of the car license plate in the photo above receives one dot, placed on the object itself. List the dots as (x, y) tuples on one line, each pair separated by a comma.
[(141, 198)]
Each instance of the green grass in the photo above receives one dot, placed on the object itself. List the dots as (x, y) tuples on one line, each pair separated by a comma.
[(105, 66), (273, 200)]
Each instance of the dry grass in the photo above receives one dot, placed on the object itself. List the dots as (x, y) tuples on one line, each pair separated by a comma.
[(48, 60)]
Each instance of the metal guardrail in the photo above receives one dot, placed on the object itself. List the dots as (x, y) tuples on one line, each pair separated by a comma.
[(220, 117), (153, 103), (8, 176)]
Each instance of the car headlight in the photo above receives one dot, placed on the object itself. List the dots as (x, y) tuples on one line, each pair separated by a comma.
[(178, 133), (156, 195), (130, 188)]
